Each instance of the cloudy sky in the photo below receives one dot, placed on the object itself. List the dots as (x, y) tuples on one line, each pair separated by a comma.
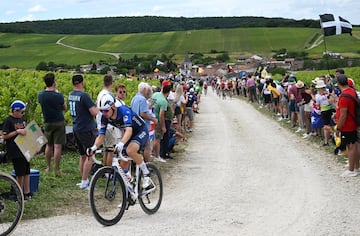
[(31, 10)]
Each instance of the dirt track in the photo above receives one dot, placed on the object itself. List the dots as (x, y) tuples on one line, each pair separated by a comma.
[(243, 174)]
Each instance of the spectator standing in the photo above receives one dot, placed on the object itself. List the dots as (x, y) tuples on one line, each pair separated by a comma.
[(160, 107), (52, 106), (324, 100), (120, 94), (345, 117), (251, 86), (139, 106), (13, 126), (191, 99), (110, 138), (82, 111)]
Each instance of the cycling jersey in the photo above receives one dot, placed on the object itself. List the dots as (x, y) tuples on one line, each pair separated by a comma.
[(125, 117)]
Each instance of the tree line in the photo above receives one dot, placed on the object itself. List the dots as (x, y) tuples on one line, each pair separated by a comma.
[(145, 24)]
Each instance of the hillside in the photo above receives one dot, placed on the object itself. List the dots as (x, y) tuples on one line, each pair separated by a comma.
[(143, 24)]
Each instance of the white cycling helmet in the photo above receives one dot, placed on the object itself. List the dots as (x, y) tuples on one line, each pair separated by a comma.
[(106, 101)]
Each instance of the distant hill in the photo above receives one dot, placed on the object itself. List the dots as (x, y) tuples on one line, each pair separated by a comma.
[(144, 24)]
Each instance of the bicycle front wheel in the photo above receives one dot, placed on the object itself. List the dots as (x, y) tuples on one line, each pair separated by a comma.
[(150, 200), (11, 204), (107, 196)]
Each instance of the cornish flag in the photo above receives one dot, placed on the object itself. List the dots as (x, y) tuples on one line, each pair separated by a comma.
[(332, 25)]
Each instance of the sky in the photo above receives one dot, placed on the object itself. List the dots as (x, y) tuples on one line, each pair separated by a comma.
[(33, 10)]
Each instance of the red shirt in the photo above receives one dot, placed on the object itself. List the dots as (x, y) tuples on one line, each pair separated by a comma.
[(349, 103)]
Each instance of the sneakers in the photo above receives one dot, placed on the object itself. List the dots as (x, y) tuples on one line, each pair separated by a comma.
[(306, 135), (28, 196), (349, 173), (298, 130), (84, 184), (147, 183), (159, 159)]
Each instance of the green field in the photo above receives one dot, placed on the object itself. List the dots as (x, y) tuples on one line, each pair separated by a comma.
[(27, 50)]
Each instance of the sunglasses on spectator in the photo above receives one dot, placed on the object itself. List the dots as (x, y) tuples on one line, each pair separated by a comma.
[(121, 91), (104, 111)]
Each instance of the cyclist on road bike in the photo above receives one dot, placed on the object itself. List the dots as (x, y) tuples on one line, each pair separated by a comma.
[(135, 136)]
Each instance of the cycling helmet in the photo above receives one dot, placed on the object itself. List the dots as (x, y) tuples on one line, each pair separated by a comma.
[(106, 101), (18, 105)]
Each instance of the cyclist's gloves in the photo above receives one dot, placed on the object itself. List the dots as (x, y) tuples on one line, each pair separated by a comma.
[(119, 147), (90, 151)]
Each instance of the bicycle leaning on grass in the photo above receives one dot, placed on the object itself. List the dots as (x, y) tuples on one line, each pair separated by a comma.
[(111, 191), (11, 204)]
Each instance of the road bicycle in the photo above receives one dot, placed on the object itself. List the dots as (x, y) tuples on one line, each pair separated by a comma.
[(111, 191), (11, 204)]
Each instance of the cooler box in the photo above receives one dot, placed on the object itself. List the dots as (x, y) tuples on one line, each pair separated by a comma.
[(34, 179)]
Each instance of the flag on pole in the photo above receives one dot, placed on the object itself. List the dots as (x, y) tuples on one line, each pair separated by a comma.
[(332, 25)]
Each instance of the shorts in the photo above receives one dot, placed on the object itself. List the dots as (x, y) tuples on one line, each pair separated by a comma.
[(55, 132), (110, 138), (276, 101), (348, 137), (21, 166), (308, 107), (326, 115), (141, 138), (292, 105), (85, 140), (267, 98), (190, 113), (177, 111)]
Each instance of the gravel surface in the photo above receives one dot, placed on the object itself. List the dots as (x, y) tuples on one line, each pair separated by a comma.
[(242, 174)]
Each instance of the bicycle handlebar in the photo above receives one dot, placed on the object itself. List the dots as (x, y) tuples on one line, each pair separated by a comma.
[(120, 156)]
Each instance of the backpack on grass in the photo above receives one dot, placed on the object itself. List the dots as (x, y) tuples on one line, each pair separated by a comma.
[(357, 108)]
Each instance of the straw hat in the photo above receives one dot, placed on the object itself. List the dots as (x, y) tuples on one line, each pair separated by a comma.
[(320, 84), (299, 84)]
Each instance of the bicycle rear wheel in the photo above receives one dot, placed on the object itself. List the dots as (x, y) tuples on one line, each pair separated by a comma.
[(107, 196), (11, 204), (150, 200)]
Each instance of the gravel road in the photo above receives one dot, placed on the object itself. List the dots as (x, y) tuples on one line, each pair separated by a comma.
[(242, 174)]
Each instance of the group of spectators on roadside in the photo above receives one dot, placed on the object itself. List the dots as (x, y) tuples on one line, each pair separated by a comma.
[(311, 109)]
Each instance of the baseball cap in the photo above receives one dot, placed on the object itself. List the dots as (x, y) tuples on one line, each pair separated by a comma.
[(77, 79), (351, 83), (17, 105), (165, 83)]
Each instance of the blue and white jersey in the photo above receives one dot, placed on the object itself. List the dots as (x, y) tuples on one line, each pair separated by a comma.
[(125, 117)]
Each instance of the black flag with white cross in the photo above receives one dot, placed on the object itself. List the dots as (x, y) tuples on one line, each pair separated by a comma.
[(332, 25)]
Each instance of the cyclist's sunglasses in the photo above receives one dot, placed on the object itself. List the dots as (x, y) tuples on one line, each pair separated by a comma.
[(104, 111)]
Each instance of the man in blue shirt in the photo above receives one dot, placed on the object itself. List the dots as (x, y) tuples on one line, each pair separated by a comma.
[(140, 106), (52, 105), (82, 111)]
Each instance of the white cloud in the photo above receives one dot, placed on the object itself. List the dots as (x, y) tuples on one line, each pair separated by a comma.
[(37, 8), (27, 18), (9, 12)]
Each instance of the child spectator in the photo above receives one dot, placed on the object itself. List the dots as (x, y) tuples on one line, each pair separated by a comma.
[(14, 125)]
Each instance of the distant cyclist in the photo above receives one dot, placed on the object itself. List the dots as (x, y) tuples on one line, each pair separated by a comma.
[(135, 137)]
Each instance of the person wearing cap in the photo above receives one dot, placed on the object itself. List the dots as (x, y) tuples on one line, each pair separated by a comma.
[(324, 100), (346, 124), (191, 98), (13, 126), (83, 111), (52, 106)]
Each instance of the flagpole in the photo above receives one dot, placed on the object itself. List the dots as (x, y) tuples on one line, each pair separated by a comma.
[(326, 55)]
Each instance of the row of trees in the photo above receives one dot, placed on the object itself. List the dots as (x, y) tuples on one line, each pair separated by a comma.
[(124, 25)]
